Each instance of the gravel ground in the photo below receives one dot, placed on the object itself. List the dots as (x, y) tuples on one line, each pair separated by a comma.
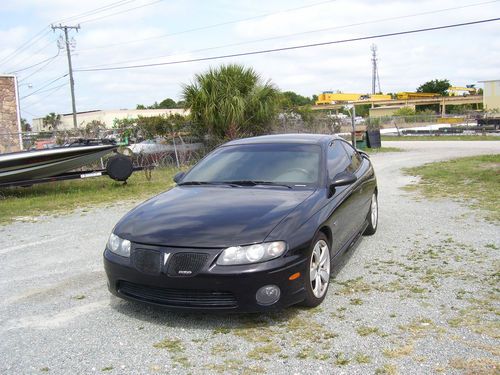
[(418, 297)]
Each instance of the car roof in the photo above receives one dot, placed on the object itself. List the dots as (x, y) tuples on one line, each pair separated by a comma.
[(285, 138)]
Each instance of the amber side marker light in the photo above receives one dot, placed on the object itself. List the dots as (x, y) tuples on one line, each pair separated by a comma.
[(296, 275)]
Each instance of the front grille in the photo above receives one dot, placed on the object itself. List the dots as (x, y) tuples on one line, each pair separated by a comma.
[(178, 297), (186, 264), (147, 261)]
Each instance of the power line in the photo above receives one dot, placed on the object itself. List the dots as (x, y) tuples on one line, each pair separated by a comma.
[(120, 12), (211, 26), (25, 45), (259, 52), (293, 34), (51, 91), (46, 31), (32, 66), (44, 86), (39, 69), (96, 10)]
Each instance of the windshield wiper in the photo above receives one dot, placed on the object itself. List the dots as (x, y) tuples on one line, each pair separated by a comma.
[(205, 183), (255, 183), (198, 183)]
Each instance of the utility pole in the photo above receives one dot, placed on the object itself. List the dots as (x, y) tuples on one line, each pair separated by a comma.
[(353, 123), (68, 52), (375, 77)]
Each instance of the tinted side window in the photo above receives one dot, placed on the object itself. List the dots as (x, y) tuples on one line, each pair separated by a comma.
[(338, 160), (354, 157)]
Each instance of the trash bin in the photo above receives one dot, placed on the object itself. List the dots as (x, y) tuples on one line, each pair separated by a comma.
[(361, 144), (373, 139)]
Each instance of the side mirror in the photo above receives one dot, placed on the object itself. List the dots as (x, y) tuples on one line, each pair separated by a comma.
[(179, 176), (342, 179)]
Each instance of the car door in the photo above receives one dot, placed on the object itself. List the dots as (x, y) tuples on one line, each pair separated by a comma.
[(341, 202), (361, 192)]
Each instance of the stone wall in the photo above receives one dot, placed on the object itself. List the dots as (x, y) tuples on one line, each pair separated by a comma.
[(9, 138)]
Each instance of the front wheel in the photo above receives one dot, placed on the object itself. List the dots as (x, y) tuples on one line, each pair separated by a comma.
[(318, 275), (372, 217)]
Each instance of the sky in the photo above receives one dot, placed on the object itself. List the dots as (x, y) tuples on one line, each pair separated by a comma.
[(117, 33)]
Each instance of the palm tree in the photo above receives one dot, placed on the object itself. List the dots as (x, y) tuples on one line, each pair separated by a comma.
[(52, 121), (231, 101)]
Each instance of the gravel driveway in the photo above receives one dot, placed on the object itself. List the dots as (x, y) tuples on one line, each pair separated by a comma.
[(421, 296)]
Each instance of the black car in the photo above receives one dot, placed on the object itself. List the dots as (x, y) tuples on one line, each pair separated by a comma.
[(256, 225)]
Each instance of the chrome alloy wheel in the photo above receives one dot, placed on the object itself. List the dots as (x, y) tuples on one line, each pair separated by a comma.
[(374, 211), (319, 269)]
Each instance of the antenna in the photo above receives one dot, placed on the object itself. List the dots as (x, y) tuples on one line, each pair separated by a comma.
[(375, 77)]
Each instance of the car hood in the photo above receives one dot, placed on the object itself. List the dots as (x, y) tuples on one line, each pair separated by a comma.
[(192, 216)]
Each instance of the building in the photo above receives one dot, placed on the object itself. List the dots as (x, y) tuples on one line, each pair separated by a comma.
[(106, 116), (491, 94), (10, 121)]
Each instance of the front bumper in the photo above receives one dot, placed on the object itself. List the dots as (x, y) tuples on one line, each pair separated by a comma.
[(210, 288)]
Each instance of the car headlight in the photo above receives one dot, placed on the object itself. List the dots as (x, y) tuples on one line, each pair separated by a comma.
[(251, 254), (118, 245)]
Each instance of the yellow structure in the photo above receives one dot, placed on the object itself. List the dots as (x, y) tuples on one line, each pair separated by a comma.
[(491, 94), (415, 95), (329, 97), (375, 97), (461, 91)]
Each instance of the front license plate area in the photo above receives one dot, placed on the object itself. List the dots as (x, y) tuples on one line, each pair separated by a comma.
[(147, 261)]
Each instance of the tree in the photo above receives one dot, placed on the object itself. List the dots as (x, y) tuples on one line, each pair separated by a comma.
[(25, 126), (167, 103), (292, 99), (231, 101), (140, 106), (438, 86), (52, 121)]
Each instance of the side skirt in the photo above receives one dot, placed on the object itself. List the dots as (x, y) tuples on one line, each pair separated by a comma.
[(352, 243)]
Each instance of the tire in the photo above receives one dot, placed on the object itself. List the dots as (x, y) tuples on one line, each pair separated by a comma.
[(372, 217), (317, 277)]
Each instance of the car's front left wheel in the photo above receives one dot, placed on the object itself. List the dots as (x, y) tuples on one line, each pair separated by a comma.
[(318, 275)]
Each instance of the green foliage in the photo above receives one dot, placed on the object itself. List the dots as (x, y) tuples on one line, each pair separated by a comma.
[(167, 103), (405, 111), (149, 127), (52, 121), (164, 104), (363, 110), (290, 99), (93, 128), (25, 126), (438, 86), (231, 101)]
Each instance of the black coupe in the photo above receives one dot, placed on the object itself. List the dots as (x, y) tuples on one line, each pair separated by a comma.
[(256, 225)]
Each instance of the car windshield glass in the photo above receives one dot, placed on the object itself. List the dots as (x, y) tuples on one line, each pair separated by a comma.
[(260, 164)]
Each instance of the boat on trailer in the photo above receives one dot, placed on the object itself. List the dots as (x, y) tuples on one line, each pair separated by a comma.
[(29, 167)]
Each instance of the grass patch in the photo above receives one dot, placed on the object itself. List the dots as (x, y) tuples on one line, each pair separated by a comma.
[(387, 370), (398, 352), (259, 352), (362, 358), (366, 331), (173, 346), (382, 150), (442, 138), (472, 179), (66, 196)]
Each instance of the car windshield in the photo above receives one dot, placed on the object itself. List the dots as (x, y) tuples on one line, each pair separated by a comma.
[(286, 164)]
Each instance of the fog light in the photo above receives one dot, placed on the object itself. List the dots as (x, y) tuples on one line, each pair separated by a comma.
[(267, 295)]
